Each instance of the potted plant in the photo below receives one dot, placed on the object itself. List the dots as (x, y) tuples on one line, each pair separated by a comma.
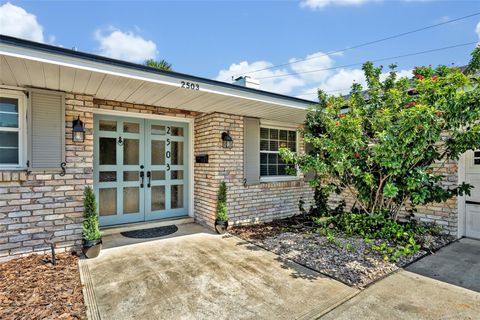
[(92, 239), (221, 216)]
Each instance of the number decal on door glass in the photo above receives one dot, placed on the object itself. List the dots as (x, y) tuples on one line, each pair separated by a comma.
[(168, 142), (167, 154), (168, 166), (168, 130)]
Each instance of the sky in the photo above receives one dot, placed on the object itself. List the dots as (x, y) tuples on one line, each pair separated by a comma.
[(222, 39)]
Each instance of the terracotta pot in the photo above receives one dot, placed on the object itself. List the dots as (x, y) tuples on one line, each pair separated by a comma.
[(221, 226), (91, 248)]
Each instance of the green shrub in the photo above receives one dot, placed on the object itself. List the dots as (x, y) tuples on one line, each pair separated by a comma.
[(385, 150), (222, 212), (90, 225), (393, 239)]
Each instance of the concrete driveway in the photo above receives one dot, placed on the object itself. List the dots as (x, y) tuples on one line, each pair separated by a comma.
[(457, 264), (204, 276)]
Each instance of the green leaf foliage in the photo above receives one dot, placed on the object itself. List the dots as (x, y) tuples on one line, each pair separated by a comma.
[(386, 144), (91, 230), (222, 212)]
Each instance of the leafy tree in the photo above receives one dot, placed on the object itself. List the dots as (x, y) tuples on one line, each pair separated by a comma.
[(387, 145), (90, 225), (160, 64)]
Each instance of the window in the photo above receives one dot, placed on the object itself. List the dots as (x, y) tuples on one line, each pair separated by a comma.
[(476, 158), (271, 140), (12, 124)]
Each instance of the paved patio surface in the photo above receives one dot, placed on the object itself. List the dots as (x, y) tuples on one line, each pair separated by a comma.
[(406, 295), (205, 276), (458, 264)]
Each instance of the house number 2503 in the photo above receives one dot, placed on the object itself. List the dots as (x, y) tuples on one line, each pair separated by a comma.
[(190, 85)]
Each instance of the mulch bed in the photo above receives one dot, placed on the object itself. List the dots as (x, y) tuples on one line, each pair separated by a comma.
[(350, 260), (33, 288)]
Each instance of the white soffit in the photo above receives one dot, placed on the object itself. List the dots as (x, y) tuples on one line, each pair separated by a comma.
[(26, 67)]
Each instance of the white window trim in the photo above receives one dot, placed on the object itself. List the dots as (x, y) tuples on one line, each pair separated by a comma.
[(281, 126), (22, 128)]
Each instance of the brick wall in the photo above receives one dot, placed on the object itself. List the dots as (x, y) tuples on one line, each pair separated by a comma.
[(41, 206), (246, 204)]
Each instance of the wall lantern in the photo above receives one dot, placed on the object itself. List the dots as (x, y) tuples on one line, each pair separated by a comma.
[(227, 141), (78, 130)]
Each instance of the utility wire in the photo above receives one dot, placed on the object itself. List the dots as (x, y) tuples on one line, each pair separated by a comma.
[(376, 60), (367, 43)]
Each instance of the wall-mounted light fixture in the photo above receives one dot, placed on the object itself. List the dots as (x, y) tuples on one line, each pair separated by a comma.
[(78, 130), (227, 141)]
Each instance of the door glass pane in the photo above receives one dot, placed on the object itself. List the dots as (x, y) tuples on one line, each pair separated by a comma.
[(177, 131), (158, 152), (131, 127), (176, 200), (177, 152), (158, 175), (157, 130), (108, 125), (8, 105), (9, 120), (158, 198), (176, 175), (107, 201), (130, 176), (108, 176), (131, 200), (9, 156), (108, 151), (131, 151)]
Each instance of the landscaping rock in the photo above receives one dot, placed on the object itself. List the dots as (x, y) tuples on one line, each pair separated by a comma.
[(347, 259)]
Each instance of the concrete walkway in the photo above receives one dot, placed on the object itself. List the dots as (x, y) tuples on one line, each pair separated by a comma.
[(406, 295), (458, 264), (205, 276)]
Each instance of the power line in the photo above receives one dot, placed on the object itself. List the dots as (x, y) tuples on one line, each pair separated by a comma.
[(376, 60), (308, 93), (368, 43)]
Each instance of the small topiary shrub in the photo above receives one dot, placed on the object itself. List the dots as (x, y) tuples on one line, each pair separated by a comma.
[(222, 212), (91, 230)]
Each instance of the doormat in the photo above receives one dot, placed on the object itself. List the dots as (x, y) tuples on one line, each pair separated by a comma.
[(150, 233)]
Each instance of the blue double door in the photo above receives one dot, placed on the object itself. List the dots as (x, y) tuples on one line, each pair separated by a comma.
[(140, 169)]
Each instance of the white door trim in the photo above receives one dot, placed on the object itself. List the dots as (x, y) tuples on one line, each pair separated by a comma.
[(462, 209), (191, 130)]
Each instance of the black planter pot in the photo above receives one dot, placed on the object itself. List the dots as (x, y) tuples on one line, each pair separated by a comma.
[(91, 248), (221, 226)]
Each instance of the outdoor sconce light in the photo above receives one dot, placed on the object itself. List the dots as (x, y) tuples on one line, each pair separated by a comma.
[(227, 141), (78, 131)]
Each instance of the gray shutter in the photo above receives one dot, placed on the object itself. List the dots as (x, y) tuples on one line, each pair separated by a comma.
[(47, 129), (251, 151)]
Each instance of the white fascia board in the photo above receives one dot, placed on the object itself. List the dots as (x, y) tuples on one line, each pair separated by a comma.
[(173, 80)]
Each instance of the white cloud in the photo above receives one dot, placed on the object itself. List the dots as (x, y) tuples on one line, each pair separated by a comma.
[(315, 61), (283, 85), (320, 4), (341, 81), (16, 22), (477, 30), (125, 45)]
